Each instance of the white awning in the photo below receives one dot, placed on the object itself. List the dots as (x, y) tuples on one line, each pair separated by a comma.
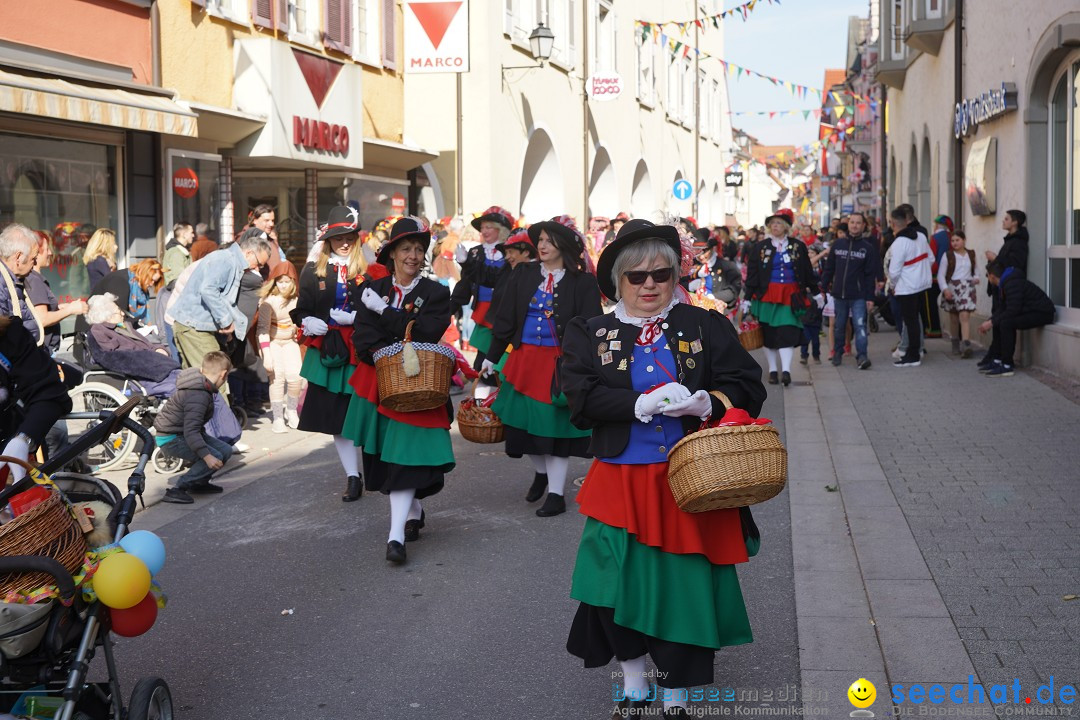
[(54, 97)]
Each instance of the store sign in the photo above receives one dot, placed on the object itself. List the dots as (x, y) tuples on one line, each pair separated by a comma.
[(397, 204), (318, 135), (733, 178), (436, 36), (605, 86), (971, 113), (185, 182)]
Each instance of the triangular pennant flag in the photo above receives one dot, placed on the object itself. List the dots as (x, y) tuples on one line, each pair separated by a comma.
[(772, 115), (805, 114), (839, 110)]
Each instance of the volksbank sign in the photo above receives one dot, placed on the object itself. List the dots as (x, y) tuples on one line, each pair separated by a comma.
[(991, 104)]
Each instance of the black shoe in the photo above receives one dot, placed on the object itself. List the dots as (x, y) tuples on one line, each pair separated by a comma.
[(395, 552), (554, 505), (536, 490), (354, 488), (178, 496), (864, 364), (628, 708), (772, 378), (786, 378), (412, 528), (206, 488), (805, 359)]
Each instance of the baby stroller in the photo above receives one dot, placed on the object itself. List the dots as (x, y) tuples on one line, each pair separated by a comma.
[(46, 647)]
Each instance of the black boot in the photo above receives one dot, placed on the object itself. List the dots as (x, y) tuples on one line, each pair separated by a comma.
[(553, 505), (395, 552), (786, 378), (772, 378), (412, 528), (628, 708), (354, 488), (539, 485)]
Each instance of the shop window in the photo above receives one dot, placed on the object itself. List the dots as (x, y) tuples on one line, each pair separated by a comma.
[(376, 198), (193, 193), (66, 190), (1063, 241), (285, 193)]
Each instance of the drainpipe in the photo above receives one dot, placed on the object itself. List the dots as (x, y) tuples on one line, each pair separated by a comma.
[(155, 44), (958, 83), (886, 178)]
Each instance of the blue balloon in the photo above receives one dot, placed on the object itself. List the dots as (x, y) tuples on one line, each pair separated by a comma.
[(146, 546)]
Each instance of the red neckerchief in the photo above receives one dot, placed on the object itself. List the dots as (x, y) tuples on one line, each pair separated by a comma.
[(649, 333)]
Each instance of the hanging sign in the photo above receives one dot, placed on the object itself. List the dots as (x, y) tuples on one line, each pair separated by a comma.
[(397, 204), (605, 86), (185, 182), (733, 178), (972, 112), (436, 36)]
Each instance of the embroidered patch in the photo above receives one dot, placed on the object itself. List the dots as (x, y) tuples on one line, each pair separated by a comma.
[(690, 363), (622, 364), (606, 358), (684, 347), (695, 347), (616, 345)]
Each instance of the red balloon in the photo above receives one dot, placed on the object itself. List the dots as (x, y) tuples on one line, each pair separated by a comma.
[(135, 621)]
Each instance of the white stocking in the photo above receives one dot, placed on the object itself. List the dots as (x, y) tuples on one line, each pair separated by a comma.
[(400, 503), (770, 355), (636, 687), (556, 472), (346, 452), (415, 510), (785, 358), (539, 463)]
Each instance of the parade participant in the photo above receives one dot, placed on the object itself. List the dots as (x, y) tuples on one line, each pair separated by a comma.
[(540, 301), (717, 276), (277, 344), (480, 274), (649, 577), (517, 248), (325, 304), (779, 268), (414, 449)]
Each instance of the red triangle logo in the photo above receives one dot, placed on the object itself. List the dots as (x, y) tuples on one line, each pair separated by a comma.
[(319, 73), (435, 18)]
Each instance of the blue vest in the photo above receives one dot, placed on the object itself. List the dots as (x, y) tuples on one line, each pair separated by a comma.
[(650, 442), (539, 324), (783, 270), (484, 292)]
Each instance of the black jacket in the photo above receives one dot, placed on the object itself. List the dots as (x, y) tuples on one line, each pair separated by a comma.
[(428, 304), (188, 410), (727, 279), (474, 273), (1014, 251), (602, 397), (316, 295), (759, 269), (34, 396), (852, 269), (1020, 296), (576, 295)]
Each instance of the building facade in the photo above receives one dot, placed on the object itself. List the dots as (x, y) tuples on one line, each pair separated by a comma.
[(1011, 142), (534, 143)]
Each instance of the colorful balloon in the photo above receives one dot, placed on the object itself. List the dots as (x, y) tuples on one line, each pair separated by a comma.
[(146, 546), (136, 620), (121, 581)]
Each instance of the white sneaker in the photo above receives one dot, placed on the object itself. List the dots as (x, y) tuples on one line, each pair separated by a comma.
[(279, 426), (897, 354), (241, 447), (292, 419)]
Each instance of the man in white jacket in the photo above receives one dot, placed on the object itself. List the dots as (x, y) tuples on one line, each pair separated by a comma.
[(909, 273)]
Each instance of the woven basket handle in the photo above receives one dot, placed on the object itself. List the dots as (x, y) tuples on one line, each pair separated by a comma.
[(490, 399), (722, 398), (408, 331), (4, 459)]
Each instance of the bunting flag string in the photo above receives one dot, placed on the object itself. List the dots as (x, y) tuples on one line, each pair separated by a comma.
[(790, 157), (742, 11), (836, 110)]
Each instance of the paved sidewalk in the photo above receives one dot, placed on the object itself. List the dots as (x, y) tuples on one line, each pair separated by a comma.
[(935, 527)]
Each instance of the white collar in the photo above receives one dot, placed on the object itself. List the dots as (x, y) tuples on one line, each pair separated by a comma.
[(778, 243), (334, 259), (491, 251), (622, 316), (406, 289), (558, 274)]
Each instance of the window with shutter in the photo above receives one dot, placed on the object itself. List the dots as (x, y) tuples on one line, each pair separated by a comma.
[(508, 17), (338, 33), (262, 13), (389, 39), (281, 15)]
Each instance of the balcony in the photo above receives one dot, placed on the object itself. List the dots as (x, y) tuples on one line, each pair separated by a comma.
[(925, 35), (892, 72)]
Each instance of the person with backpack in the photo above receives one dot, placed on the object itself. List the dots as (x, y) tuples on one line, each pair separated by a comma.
[(1023, 306), (957, 277)]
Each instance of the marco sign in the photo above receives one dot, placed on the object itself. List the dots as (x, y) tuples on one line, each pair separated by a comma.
[(436, 36), (972, 112)]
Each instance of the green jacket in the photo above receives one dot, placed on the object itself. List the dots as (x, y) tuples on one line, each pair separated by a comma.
[(173, 262)]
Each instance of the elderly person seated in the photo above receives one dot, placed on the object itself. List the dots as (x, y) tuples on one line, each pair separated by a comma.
[(115, 345)]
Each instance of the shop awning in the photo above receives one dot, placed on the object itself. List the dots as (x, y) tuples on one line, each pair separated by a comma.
[(62, 99), (225, 125), (395, 156)]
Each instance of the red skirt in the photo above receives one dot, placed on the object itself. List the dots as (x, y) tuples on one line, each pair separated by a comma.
[(780, 293), (638, 499), (479, 313), (365, 382), (530, 369)]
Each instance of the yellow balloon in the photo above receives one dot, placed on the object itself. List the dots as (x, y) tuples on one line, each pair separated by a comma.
[(121, 581)]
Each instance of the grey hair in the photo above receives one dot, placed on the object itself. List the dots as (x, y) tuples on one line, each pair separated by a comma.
[(99, 308), (256, 243), (641, 252), (17, 238)]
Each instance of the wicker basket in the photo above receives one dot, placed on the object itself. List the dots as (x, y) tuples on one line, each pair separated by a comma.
[(727, 467), (752, 339), (49, 530), (428, 389), (478, 423)]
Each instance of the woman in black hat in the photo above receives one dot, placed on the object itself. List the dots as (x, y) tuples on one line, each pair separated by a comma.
[(414, 450), (649, 577), (779, 268), (540, 301), (325, 313), (480, 275)]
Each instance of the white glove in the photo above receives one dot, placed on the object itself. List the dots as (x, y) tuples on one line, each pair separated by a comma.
[(819, 300), (699, 405), (373, 302), (342, 317), (649, 404), (744, 306), (314, 326), (695, 284), (487, 368), (17, 447)]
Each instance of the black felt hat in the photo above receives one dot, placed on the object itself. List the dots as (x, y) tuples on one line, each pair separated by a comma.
[(631, 232), (405, 228), (343, 220)]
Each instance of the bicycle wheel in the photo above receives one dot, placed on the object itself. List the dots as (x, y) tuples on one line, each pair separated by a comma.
[(95, 397), (166, 464)]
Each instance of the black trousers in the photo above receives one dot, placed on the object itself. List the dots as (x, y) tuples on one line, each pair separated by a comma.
[(1003, 344), (909, 311), (928, 310)]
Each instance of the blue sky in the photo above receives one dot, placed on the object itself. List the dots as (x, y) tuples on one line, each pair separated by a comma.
[(796, 41)]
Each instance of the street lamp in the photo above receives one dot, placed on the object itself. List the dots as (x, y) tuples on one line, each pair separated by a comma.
[(541, 41)]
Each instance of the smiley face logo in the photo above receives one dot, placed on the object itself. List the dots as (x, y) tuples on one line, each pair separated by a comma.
[(862, 693)]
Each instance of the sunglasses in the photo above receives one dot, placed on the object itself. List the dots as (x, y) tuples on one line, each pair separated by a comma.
[(638, 277)]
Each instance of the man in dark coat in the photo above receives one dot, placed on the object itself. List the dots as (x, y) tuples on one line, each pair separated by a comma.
[(1023, 306)]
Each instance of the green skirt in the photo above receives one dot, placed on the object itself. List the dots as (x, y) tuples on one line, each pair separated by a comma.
[(481, 339), (679, 598), (536, 418), (773, 314), (402, 444), (335, 380), (362, 424)]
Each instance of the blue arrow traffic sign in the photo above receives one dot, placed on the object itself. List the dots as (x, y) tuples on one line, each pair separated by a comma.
[(682, 189)]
